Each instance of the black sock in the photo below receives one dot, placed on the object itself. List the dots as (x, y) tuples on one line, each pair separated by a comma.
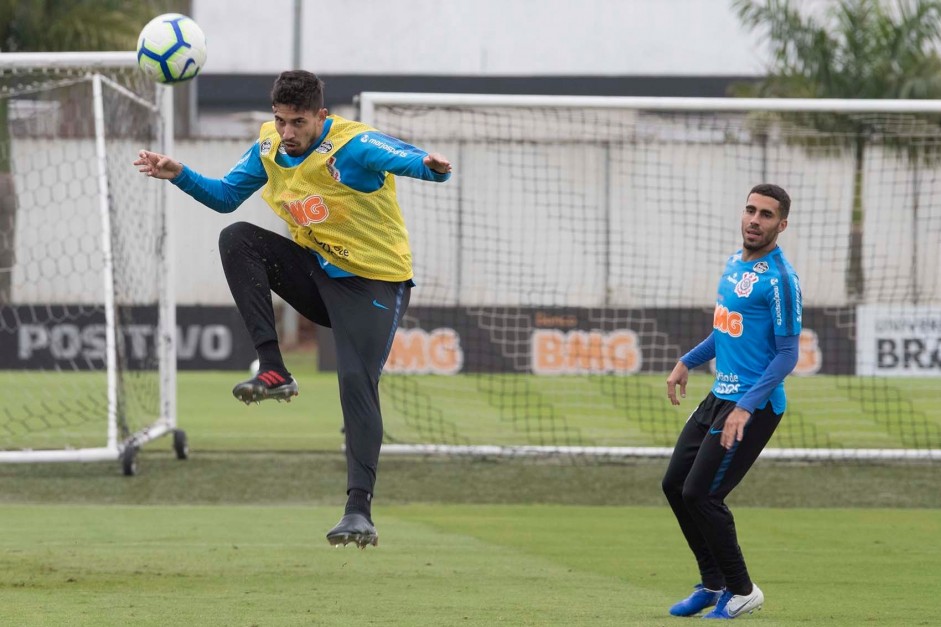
[(741, 590), (360, 502), (269, 358)]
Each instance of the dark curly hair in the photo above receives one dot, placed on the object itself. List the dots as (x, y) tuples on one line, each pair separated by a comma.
[(774, 191), (299, 89)]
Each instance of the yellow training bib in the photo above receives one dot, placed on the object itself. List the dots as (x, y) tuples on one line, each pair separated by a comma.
[(362, 233)]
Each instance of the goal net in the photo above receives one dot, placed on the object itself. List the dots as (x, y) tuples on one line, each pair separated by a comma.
[(87, 361), (574, 257)]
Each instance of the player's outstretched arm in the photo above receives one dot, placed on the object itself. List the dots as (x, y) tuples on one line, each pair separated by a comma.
[(157, 166), (437, 162)]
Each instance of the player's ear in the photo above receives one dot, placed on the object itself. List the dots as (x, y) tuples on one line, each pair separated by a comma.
[(322, 114), (782, 225)]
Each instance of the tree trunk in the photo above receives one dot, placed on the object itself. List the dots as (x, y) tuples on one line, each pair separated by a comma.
[(855, 279), (7, 229), (7, 208)]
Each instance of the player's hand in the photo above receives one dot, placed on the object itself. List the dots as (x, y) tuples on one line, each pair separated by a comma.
[(157, 166), (734, 429), (437, 162), (679, 376)]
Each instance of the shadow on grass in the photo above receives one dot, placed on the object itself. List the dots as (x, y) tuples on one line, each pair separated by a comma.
[(253, 478)]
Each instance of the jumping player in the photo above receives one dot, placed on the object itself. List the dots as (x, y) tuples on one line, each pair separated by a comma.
[(347, 264)]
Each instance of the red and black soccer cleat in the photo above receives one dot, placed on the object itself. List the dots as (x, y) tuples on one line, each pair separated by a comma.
[(265, 385)]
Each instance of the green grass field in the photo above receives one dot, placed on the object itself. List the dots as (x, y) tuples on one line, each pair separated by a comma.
[(448, 565), (234, 535)]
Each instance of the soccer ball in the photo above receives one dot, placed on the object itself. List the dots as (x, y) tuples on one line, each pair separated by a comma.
[(171, 48)]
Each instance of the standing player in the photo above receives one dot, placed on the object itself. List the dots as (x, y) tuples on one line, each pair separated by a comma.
[(755, 339), (348, 264)]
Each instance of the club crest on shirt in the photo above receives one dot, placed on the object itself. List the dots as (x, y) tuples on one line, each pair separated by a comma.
[(324, 147), (332, 168), (761, 267), (265, 147), (744, 287)]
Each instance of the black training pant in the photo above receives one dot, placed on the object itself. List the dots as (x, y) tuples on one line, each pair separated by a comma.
[(701, 474), (363, 313)]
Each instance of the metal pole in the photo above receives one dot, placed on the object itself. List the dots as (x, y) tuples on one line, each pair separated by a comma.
[(296, 56), (166, 344), (104, 210), (608, 211), (290, 320)]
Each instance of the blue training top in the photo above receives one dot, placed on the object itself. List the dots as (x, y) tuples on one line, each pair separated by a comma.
[(364, 165), (756, 331)]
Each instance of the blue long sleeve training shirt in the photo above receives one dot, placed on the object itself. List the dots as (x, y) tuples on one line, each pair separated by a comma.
[(756, 331), (787, 352)]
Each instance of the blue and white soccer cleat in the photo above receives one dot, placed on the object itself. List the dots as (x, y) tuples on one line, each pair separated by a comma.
[(700, 599), (734, 605)]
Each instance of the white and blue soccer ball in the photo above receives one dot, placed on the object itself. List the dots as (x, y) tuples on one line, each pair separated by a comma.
[(171, 48)]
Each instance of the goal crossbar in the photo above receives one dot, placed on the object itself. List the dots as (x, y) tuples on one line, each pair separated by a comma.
[(369, 99)]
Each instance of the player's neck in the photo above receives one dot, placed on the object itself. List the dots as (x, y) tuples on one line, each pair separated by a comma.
[(752, 255)]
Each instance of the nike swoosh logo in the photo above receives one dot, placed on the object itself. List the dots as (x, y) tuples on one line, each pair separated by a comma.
[(376, 303), (735, 611), (715, 431), (753, 600)]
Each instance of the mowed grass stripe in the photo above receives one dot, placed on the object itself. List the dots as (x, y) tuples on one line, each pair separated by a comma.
[(811, 563), (448, 564), (206, 565)]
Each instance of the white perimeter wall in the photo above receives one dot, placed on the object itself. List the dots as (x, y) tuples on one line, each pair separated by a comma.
[(199, 275), (58, 249), (58, 228), (483, 37)]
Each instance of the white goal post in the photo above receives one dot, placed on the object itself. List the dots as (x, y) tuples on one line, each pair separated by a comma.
[(87, 311), (576, 227)]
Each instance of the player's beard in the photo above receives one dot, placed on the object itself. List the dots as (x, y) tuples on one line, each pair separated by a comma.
[(764, 240)]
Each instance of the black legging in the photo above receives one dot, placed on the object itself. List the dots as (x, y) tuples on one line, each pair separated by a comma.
[(701, 474), (363, 313)]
